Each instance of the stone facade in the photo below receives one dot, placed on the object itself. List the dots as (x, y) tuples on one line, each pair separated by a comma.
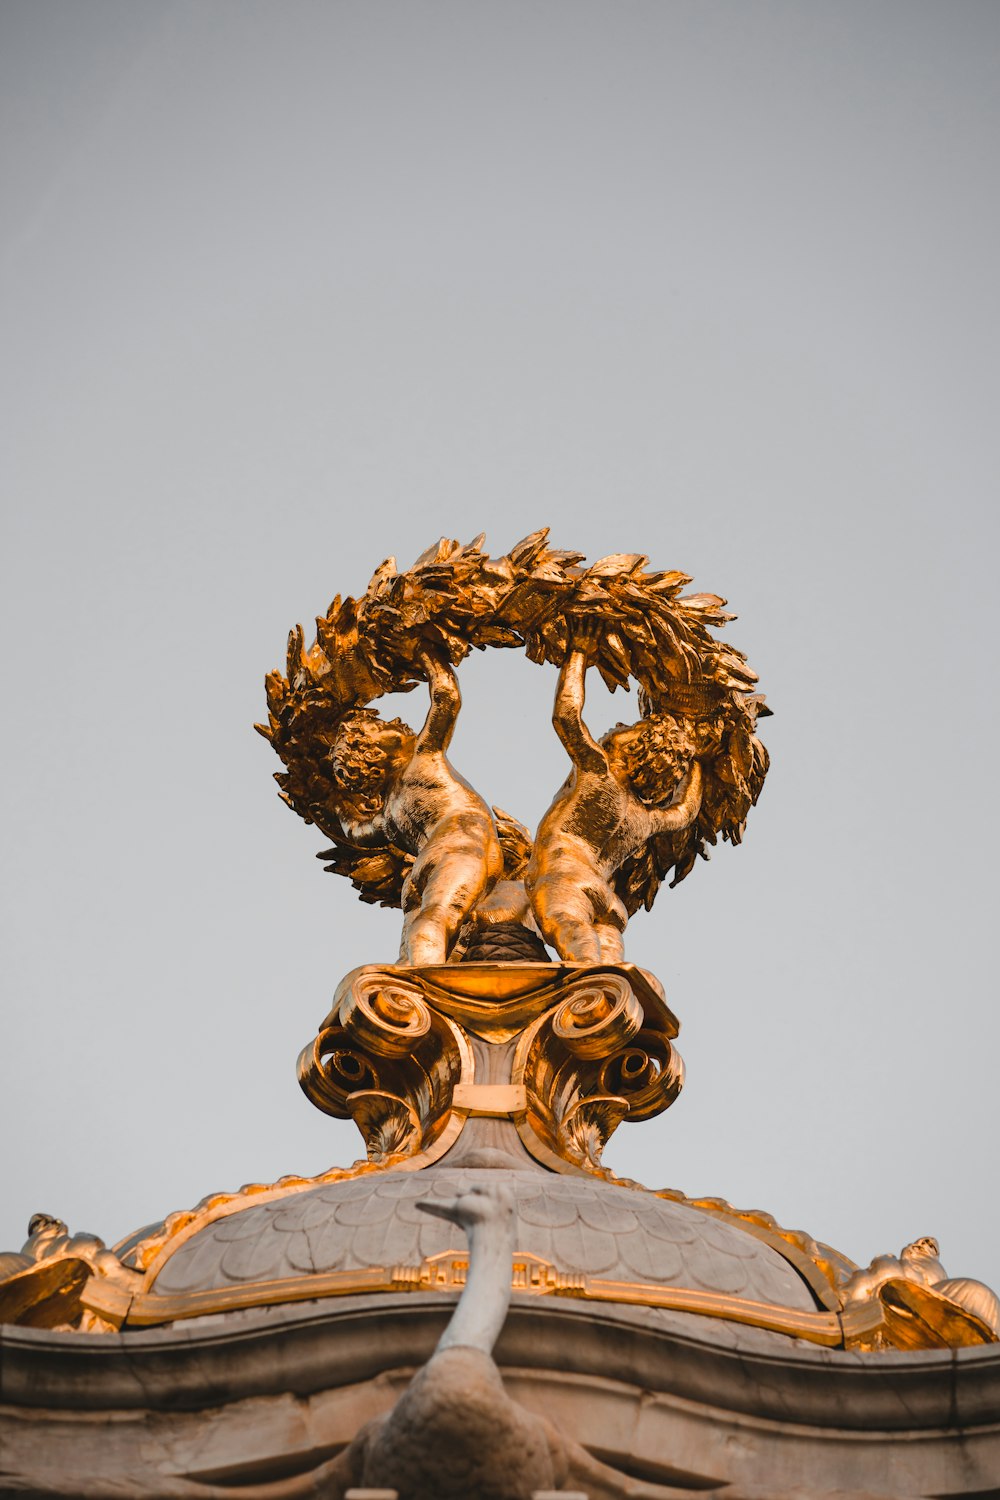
[(668, 1404)]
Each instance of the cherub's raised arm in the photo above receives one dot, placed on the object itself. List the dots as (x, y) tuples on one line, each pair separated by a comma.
[(446, 700), (683, 813), (567, 710)]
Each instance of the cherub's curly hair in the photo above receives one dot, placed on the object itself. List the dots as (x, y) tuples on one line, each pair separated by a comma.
[(354, 750), (657, 758)]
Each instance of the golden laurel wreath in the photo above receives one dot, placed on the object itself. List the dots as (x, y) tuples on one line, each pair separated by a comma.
[(455, 598)]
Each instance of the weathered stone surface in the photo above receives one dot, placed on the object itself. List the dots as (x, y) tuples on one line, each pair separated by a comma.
[(666, 1402), (580, 1224)]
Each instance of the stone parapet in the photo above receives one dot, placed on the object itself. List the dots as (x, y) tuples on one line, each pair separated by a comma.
[(668, 1399)]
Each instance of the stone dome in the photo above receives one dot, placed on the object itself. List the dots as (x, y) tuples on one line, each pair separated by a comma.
[(579, 1225)]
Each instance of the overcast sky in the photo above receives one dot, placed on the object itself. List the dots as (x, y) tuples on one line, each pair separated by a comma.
[(288, 287)]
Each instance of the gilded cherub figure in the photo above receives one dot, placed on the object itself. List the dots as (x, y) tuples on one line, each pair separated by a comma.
[(610, 807), (402, 790), (924, 1307), (917, 1262), (632, 815), (48, 1284)]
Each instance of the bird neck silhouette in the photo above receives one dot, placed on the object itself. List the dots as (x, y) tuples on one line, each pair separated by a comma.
[(487, 1216), (455, 1433)]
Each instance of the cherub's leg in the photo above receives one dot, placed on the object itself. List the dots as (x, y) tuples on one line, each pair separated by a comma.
[(411, 895), (565, 914), (610, 921), (450, 889), (610, 942)]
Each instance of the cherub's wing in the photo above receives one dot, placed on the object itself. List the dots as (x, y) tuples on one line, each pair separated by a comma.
[(733, 776)]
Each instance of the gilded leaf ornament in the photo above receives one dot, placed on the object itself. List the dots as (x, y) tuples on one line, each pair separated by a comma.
[(697, 701)]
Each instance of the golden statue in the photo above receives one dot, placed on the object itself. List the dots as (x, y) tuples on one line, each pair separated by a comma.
[(478, 1049), (62, 1280), (645, 801), (611, 805), (921, 1306), (400, 787)]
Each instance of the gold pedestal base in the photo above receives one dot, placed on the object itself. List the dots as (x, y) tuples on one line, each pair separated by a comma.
[(562, 1052)]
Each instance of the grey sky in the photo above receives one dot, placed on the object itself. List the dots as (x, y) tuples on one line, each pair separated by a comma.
[(290, 287)]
